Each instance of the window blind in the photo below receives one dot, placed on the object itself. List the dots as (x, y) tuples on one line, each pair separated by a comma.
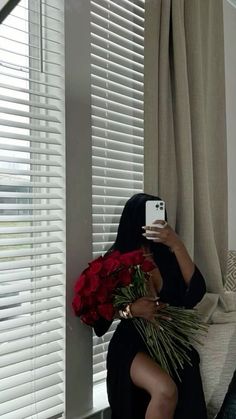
[(117, 72), (32, 212)]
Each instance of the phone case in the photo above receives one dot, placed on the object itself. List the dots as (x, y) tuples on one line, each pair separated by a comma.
[(155, 210)]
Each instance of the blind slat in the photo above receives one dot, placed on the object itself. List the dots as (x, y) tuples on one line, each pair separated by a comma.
[(127, 11), (32, 115), (103, 59), (30, 218), (28, 91), (38, 162), (29, 355), (49, 250), (30, 173), (30, 331), (123, 30), (30, 343), (28, 229), (26, 366), (27, 285), (29, 126), (8, 181), (121, 117), (33, 139), (41, 394), (30, 320), (118, 17), (25, 297), (42, 410), (31, 150), (35, 374), (29, 103), (29, 263)]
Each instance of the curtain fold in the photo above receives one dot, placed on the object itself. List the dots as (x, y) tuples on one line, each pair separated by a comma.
[(185, 126)]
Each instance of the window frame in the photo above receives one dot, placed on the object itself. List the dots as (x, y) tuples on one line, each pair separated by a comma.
[(79, 385)]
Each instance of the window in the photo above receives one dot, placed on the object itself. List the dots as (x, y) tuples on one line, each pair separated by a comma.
[(32, 211), (117, 73)]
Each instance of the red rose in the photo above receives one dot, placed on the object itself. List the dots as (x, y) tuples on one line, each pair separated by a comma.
[(102, 294), (89, 283), (92, 283), (110, 265), (79, 285), (86, 291), (132, 258), (147, 266), (107, 311), (125, 278), (111, 283), (78, 305), (96, 265), (90, 302), (90, 318)]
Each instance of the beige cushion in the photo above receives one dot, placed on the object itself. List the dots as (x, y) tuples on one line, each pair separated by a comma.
[(218, 362)]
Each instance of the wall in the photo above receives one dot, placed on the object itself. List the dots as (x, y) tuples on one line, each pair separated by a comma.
[(78, 192), (230, 69)]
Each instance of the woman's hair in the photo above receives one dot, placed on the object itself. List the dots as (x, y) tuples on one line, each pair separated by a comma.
[(129, 235)]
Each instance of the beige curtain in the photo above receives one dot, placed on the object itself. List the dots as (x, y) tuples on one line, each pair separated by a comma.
[(185, 127)]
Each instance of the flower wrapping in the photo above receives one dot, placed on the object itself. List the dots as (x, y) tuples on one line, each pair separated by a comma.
[(115, 280)]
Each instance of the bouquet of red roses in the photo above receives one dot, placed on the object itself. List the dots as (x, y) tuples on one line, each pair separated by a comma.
[(96, 286), (115, 280)]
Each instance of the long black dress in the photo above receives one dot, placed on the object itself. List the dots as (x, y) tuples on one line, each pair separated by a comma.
[(228, 408), (128, 401)]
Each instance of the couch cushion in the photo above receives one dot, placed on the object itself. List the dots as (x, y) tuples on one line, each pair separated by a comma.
[(218, 362)]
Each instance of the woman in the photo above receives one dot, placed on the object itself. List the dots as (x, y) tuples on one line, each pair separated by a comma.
[(137, 386)]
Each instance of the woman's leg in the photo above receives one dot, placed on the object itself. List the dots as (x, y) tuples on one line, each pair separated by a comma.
[(148, 375)]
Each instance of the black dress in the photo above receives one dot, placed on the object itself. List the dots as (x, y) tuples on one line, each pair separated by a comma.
[(228, 408), (128, 401)]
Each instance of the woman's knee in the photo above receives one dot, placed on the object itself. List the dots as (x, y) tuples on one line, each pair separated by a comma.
[(145, 373), (165, 391)]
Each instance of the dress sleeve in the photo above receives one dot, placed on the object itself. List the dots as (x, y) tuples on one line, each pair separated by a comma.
[(101, 326), (195, 290)]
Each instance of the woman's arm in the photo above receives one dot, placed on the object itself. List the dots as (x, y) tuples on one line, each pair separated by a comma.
[(195, 287), (170, 238), (145, 307)]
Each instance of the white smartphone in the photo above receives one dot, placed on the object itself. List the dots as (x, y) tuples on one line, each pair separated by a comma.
[(155, 210)]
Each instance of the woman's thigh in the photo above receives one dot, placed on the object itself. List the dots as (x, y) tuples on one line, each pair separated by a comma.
[(148, 375)]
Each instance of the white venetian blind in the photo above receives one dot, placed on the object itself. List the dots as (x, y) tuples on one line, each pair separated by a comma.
[(117, 67), (32, 212)]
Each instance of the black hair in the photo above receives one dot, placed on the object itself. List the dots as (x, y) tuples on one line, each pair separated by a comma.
[(129, 235)]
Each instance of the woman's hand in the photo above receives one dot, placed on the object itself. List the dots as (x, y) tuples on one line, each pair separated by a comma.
[(146, 307), (164, 234)]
